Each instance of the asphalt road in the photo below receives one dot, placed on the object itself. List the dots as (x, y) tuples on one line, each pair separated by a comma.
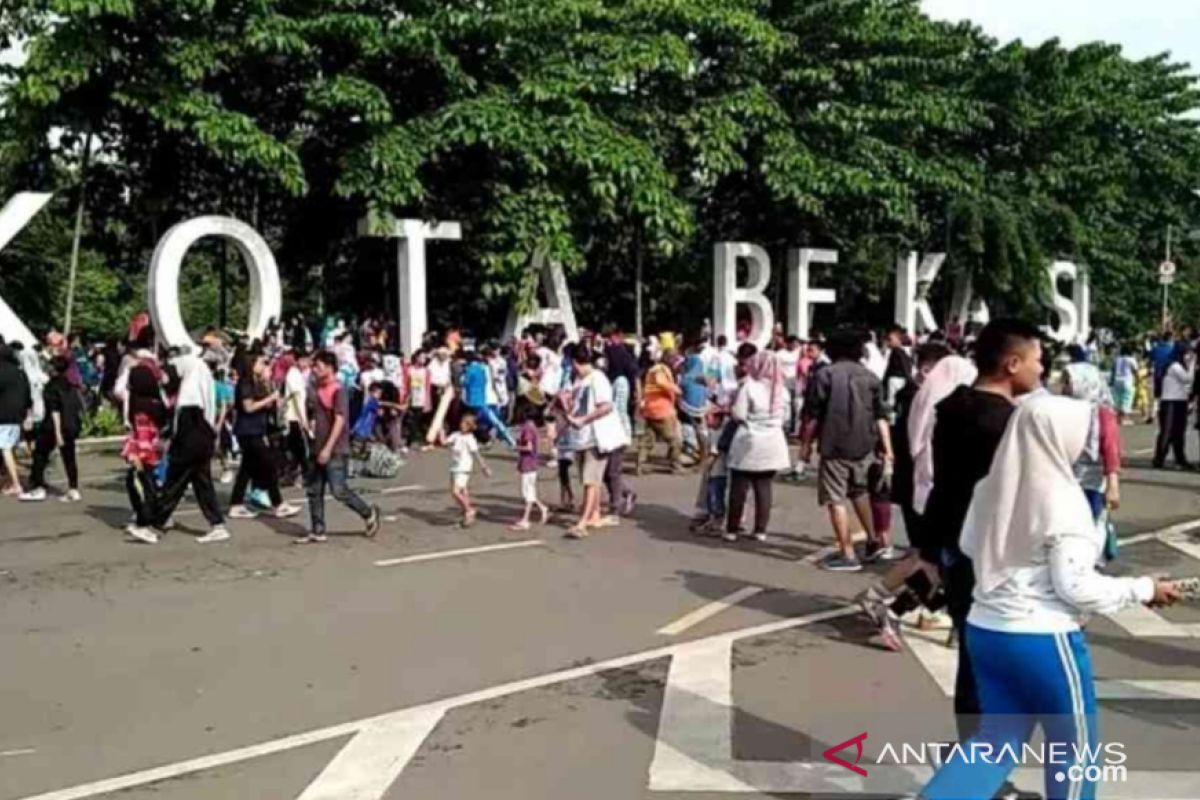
[(259, 669)]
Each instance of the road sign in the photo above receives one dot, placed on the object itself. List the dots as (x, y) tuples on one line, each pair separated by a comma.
[(1166, 280), (1166, 268)]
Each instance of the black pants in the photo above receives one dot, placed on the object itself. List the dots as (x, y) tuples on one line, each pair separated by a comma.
[(614, 480), (740, 485), (960, 586), (1172, 432), (297, 447), (44, 446), (186, 469), (258, 465), (143, 495)]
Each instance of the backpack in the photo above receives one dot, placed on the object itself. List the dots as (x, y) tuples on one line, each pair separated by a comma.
[(382, 462)]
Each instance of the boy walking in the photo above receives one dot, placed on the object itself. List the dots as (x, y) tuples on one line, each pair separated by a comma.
[(464, 452), (329, 412)]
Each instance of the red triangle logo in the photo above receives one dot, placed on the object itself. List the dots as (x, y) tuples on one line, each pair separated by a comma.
[(857, 741)]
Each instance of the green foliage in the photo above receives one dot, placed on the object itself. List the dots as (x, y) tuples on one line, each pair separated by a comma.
[(105, 420), (598, 132)]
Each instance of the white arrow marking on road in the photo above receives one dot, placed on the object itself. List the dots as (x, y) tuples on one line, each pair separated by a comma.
[(708, 610), (366, 767)]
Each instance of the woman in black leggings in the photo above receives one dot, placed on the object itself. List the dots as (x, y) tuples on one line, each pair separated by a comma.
[(255, 400), (1173, 408)]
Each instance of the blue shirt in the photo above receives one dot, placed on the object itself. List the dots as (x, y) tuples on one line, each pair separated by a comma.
[(1160, 357), (474, 385), (694, 384), (364, 426)]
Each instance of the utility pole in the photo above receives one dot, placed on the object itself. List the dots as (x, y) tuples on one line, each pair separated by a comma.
[(79, 207)]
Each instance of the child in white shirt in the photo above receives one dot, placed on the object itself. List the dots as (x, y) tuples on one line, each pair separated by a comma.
[(464, 452)]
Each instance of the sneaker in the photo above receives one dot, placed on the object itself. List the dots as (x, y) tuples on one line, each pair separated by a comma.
[(890, 633), (609, 521), (32, 496), (872, 551), (873, 604), (242, 512), (629, 504), (285, 510), (890, 553), (520, 525), (312, 538), (226, 478), (217, 534), (760, 537), (577, 532), (72, 496), (839, 563), (144, 535), (373, 523), (730, 536)]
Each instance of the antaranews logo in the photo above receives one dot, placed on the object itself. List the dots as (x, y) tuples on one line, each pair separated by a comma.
[(857, 741)]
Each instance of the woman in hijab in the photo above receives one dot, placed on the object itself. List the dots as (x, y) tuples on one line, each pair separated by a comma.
[(1173, 408), (192, 447), (1098, 468), (1030, 534), (759, 448)]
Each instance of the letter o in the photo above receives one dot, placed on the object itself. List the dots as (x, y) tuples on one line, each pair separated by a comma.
[(162, 289)]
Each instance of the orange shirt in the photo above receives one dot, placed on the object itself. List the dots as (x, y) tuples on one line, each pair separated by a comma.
[(660, 393)]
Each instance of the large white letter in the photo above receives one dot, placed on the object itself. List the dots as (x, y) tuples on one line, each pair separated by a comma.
[(13, 217), (162, 290), (964, 305), (410, 266), (560, 310), (912, 291), (1074, 313), (727, 294), (803, 296)]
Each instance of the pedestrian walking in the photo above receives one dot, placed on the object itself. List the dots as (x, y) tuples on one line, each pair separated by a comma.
[(758, 450), (58, 431)]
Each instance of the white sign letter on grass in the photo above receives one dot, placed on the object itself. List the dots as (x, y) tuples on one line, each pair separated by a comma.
[(410, 266), (560, 311), (13, 218), (912, 291), (727, 294), (162, 289), (802, 295), (964, 305), (1074, 312)]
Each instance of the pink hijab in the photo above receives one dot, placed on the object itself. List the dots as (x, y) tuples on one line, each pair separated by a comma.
[(950, 373), (764, 367)]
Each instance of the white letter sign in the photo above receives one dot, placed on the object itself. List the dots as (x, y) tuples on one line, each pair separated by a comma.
[(802, 295), (410, 266), (912, 291), (162, 289), (553, 281), (1074, 313), (13, 217), (727, 294)]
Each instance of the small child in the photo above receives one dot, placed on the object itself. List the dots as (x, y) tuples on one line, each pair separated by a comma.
[(564, 449), (527, 465), (464, 452), (714, 483)]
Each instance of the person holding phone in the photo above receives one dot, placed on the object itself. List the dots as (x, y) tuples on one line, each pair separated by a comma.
[(255, 401)]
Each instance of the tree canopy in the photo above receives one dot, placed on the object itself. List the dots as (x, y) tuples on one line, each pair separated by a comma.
[(598, 132)]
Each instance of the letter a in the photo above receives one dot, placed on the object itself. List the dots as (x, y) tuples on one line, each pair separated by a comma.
[(560, 311)]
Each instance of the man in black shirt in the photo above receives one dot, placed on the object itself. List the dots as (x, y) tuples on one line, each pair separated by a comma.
[(970, 423)]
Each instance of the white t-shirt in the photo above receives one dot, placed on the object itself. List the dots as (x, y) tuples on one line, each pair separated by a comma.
[(368, 377), (295, 393), (1177, 383), (789, 361), (551, 381), (463, 447), (439, 373), (605, 434)]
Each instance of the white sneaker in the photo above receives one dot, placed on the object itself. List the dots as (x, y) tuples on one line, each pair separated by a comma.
[(144, 535), (32, 496), (217, 534), (226, 478), (242, 512), (285, 510), (72, 496)]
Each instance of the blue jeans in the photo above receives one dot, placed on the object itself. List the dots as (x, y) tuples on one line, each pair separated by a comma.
[(715, 494), (332, 475), (1024, 680)]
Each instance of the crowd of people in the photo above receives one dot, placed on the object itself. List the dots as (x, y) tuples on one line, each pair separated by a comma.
[(1004, 476)]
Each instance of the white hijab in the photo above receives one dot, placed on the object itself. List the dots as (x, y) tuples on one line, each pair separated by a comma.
[(1030, 496), (196, 388), (949, 373)]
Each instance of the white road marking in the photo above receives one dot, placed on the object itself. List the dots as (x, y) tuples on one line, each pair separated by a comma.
[(1183, 543), (415, 487), (366, 767), (178, 769), (25, 752), (1143, 623), (941, 663), (1163, 535), (1145, 451), (469, 551), (709, 610)]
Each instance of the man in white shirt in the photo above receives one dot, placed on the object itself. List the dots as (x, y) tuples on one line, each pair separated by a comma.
[(295, 397), (599, 432)]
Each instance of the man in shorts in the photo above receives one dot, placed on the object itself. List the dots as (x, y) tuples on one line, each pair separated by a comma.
[(15, 402), (845, 410)]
